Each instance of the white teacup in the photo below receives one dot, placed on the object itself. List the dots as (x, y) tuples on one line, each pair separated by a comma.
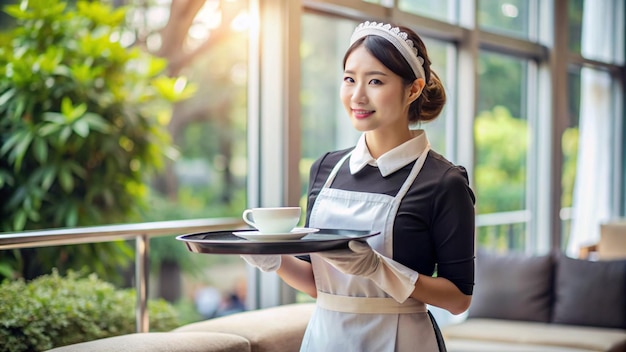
[(273, 220)]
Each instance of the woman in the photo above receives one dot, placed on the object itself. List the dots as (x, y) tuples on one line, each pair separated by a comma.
[(372, 296)]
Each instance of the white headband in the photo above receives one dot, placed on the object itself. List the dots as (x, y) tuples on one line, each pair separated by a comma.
[(399, 40)]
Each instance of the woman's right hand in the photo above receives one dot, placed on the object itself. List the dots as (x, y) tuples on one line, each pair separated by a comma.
[(264, 262)]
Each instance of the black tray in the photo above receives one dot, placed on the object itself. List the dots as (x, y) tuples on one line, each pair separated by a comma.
[(224, 242)]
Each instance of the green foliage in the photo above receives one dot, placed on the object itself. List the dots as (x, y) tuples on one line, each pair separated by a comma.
[(500, 171), (569, 146), (54, 311), (502, 81), (82, 119)]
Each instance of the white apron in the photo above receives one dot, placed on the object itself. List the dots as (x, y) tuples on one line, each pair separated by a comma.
[(352, 313)]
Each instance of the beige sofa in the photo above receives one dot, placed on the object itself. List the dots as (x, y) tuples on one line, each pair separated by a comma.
[(544, 303), (521, 304), (273, 329)]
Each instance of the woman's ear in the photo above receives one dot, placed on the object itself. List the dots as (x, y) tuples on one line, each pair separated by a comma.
[(416, 89)]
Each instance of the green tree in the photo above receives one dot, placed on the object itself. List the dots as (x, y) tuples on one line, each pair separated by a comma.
[(500, 171), (81, 127)]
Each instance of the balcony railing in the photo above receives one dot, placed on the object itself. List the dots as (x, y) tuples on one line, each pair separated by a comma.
[(141, 233)]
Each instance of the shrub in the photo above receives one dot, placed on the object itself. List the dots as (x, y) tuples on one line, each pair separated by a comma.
[(53, 311)]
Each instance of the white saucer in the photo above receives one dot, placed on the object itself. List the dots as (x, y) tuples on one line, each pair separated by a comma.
[(295, 234)]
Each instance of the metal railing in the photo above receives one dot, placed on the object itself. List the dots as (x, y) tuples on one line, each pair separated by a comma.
[(141, 232)]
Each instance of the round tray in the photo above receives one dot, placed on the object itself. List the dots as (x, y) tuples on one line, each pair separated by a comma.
[(225, 242)]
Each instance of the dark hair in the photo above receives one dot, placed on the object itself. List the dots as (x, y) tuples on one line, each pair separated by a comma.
[(430, 103)]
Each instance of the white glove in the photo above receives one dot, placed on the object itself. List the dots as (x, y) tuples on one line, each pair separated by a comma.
[(264, 262), (360, 259)]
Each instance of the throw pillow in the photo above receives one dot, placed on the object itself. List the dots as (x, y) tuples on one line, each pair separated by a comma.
[(512, 286), (590, 293)]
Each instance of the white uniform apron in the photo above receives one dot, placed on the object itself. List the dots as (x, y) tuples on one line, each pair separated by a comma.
[(352, 313)]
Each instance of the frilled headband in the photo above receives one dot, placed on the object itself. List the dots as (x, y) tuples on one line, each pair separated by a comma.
[(396, 37)]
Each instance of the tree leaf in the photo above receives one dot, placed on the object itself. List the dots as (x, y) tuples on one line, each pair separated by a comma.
[(72, 216), (97, 123), (66, 132), (76, 168), (66, 179), (19, 220), (81, 127), (48, 177), (40, 149), (20, 149), (54, 117), (11, 142), (4, 98)]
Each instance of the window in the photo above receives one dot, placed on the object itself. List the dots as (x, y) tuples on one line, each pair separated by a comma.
[(515, 110), (443, 10), (208, 176), (502, 139), (508, 17)]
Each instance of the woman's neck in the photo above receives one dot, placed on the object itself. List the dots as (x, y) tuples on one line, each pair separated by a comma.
[(379, 142)]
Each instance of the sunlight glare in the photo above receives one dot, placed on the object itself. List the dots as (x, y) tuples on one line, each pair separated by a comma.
[(241, 22), (510, 10)]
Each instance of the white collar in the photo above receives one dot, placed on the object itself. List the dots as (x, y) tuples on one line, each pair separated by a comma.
[(392, 160)]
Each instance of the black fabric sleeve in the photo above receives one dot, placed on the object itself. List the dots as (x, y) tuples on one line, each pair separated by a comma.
[(453, 229)]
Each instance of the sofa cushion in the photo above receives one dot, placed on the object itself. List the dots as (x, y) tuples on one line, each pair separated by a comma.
[(465, 345), (163, 342), (272, 329), (536, 334), (590, 293), (512, 286)]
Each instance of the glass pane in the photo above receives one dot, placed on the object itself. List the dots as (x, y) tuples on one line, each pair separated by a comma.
[(208, 177), (597, 29), (444, 10), (501, 142), (569, 150), (575, 23), (325, 126), (502, 238), (440, 54), (510, 17)]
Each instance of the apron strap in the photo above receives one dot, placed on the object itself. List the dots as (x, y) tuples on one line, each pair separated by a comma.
[(368, 305)]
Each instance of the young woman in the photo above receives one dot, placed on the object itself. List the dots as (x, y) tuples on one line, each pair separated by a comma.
[(373, 295)]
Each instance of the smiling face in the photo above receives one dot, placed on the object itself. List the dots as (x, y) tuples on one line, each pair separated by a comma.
[(374, 97)]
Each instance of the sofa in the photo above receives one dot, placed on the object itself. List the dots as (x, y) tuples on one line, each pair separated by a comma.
[(272, 329), (545, 303), (548, 303)]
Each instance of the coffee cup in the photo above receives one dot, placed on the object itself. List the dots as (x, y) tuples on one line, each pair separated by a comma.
[(272, 220)]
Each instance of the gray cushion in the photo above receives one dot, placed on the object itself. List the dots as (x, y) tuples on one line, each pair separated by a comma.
[(512, 286), (590, 293)]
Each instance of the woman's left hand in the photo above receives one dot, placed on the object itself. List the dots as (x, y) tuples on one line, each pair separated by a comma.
[(360, 259)]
